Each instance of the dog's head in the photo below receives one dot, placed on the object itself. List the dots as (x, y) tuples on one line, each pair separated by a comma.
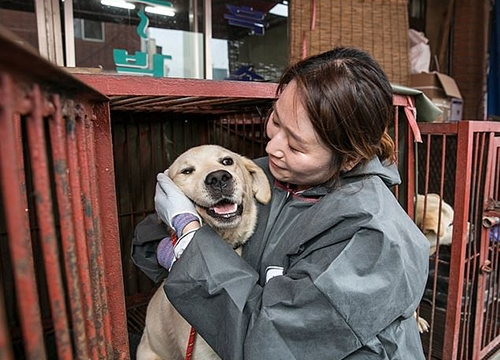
[(435, 218), (224, 187)]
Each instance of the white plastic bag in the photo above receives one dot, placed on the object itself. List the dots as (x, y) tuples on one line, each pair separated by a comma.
[(420, 52)]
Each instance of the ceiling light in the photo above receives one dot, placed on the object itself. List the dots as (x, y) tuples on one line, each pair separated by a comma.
[(160, 10), (118, 3)]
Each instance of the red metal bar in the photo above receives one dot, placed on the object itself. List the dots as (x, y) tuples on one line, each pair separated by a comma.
[(458, 253), (80, 236), (469, 261), (428, 146), (109, 231), (480, 147), (492, 177), (491, 188), (58, 145), (427, 167), (14, 194), (469, 304), (400, 100), (437, 253), (47, 232), (495, 170), (411, 166), (441, 183), (90, 231), (396, 143), (96, 219), (450, 128), (113, 85)]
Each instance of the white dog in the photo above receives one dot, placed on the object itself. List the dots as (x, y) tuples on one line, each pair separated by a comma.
[(435, 218), (224, 187), (437, 221)]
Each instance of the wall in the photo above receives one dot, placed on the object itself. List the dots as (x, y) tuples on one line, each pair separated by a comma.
[(100, 54), (21, 23)]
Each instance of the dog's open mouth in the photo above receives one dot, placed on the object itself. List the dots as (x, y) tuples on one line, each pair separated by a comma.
[(225, 210)]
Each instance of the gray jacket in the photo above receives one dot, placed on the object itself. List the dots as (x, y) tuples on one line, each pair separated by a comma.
[(354, 268)]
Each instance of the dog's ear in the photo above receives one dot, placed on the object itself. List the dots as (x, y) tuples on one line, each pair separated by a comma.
[(260, 184), (430, 223), (431, 220)]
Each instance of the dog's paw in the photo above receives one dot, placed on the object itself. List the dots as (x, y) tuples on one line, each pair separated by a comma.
[(423, 325)]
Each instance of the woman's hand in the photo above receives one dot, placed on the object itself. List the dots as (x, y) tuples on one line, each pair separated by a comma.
[(173, 207), (176, 210)]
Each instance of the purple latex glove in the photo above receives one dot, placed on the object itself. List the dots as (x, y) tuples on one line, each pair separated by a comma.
[(165, 253)]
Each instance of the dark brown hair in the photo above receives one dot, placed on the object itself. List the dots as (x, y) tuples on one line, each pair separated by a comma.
[(349, 100)]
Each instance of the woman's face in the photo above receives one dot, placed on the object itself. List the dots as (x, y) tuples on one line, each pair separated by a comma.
[(296, 153)]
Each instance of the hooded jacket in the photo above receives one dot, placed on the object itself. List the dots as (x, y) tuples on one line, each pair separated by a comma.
[(326, 275)]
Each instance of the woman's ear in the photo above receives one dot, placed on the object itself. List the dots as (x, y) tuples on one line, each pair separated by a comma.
[(348, 164)]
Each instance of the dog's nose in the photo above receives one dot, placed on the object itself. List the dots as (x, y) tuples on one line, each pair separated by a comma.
[(218, 180)]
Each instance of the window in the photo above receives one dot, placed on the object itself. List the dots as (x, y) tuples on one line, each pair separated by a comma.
[(89, 30)]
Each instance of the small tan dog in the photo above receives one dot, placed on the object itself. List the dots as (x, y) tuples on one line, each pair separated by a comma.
[(435, 218), (437, 222), (224, 187)]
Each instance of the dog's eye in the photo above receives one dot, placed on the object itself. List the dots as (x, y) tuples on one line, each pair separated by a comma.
[(187, 171), (227, 161)]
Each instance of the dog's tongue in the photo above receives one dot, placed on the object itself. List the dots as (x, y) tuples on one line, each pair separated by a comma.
[(224, 208)]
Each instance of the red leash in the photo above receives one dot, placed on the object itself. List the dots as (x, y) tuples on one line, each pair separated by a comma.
[(190, 345), (192, 333)]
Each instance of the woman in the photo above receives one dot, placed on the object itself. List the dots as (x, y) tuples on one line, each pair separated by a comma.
[(335, 268)]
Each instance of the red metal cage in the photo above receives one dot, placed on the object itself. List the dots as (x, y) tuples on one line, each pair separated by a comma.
[(62, 291), (460, 162), (77, 173)]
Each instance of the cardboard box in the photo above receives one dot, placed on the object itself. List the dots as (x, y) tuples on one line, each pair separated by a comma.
[(443, 91)]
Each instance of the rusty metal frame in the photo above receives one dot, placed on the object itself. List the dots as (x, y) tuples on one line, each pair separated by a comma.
[(145, 94), (56, 140), (489, 342), (466, 316), (44, 97)]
